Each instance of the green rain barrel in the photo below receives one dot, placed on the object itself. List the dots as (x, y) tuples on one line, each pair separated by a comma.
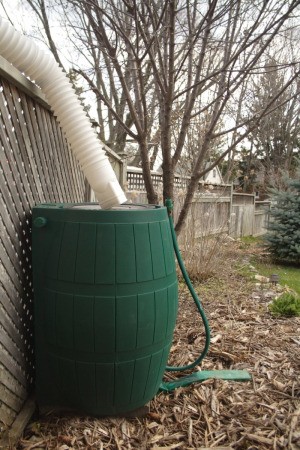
[(105, 296)]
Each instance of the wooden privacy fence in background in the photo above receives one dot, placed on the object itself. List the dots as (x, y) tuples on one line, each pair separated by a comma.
[(36, 167), (215, 208), (249, 217), (261, 217)]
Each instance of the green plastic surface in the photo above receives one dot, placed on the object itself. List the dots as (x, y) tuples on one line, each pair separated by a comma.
[(105, 294)]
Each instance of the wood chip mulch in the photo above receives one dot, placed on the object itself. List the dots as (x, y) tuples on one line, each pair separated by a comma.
[(257, 415)]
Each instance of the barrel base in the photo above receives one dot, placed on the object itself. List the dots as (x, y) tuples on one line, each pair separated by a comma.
[(140, 412)]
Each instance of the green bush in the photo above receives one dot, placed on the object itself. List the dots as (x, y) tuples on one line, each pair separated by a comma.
[(283, 238), (286, 305)]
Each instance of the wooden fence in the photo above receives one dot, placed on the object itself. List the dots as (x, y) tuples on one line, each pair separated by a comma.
[(135, 185), (215, 208), (36, 166), (249, 217), (261, 217)]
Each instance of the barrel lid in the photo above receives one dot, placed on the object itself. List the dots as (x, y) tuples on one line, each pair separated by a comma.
[(124, 206)]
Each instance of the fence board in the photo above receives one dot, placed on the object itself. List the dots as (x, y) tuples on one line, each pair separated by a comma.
[(9, 383), (10, 328), (43, 179), (10, 309), (29, 157), (10, 399), (61, 157), (7, 271), (22, 141), (12, 367), (47, 152), (10, 248), (247, 228), (10, 345), (7, 415), (261, 218), (13, 148), (10, 167)]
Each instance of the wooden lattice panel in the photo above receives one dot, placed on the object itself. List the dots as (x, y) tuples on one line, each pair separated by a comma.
[(36, 166)]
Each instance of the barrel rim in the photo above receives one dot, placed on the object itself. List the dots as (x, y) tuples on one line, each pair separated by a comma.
[(67, 212), (85, 205)]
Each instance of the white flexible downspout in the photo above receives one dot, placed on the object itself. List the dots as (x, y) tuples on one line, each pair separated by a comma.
[(26, 56)]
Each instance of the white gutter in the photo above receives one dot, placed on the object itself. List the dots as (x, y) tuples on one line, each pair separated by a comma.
[(42, 68)]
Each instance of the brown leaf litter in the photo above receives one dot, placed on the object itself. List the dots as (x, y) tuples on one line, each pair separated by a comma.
[(258, 415)]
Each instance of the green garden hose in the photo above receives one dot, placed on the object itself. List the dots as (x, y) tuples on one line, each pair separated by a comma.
[(233, 375), (196, 299)]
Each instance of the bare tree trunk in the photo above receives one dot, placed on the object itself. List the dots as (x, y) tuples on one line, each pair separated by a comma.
[(151, 193)]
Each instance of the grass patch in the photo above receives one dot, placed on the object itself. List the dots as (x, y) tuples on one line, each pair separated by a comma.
[(247, 242), (288, 275), (251, 239), (245, 271)]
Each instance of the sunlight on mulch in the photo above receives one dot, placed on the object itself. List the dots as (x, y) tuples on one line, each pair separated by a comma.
[(258, 415)]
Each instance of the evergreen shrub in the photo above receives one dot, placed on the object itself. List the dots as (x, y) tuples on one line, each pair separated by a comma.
[(283, 237), (287, 304)]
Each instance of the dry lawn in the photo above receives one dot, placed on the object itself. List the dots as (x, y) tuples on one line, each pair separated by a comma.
[(257, 415)]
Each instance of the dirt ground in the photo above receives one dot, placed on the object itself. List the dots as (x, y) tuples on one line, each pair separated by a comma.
[(255, 415)]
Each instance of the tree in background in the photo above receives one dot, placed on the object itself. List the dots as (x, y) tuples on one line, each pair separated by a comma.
[(149, 63), (272, 145), (283, 239), (275, 140)]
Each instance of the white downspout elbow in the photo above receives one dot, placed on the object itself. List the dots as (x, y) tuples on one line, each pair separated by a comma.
[(26, 56)]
